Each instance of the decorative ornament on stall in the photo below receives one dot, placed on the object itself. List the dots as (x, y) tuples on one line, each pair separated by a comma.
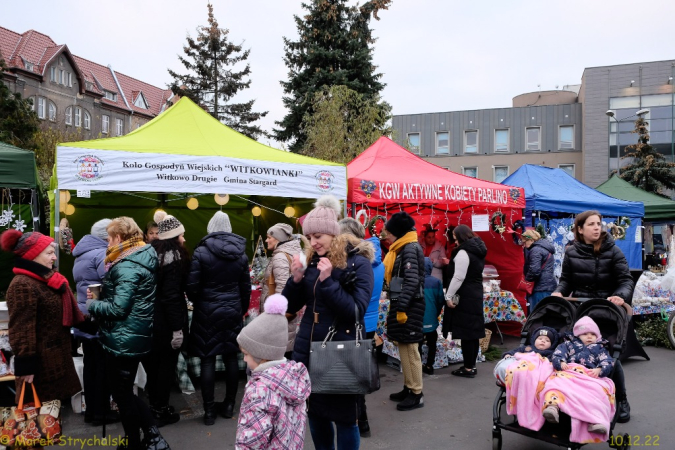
[(256, 211), (541, 230), (517, 228), (70, 210), (259, 263), (221, 199), (619, 228), (193, 203), (6, 216), (368, 187), (289, 211), (66, 241), (498, 222), (515, 195), (372, 226), (362, 217)]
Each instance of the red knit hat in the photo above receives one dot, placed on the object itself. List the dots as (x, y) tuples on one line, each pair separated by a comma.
[(26, 245)]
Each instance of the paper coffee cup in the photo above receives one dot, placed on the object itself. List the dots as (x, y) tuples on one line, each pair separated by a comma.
[(95, 290)]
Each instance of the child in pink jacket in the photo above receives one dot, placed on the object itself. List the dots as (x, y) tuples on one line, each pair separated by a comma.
[(273, 412)]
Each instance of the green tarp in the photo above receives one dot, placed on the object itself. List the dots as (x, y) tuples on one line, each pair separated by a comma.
[(657, 208), (17, 168)]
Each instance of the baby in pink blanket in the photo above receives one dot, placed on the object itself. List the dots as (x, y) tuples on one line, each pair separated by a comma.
[(585, 349)]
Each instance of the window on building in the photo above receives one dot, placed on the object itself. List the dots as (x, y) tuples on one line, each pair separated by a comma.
[(70, 79), (63, 77), (566, 136), (78, 116), (414, 142), (52, 74), (140, 101), (119, 126), (568, 168), (470, 171), (87, 121), (69, 115), (41, 107), (52, 111), (105, 124), (29, 66), (499, 173), (501, 141), (443, 143), (111, 96), (471, 141), (533, 139), (61, 60)]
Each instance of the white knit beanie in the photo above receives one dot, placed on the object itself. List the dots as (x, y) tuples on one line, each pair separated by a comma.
[(100, 229), (219, 222)]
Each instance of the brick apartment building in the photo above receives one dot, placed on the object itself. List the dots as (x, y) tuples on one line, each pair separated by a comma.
[(74, 94)]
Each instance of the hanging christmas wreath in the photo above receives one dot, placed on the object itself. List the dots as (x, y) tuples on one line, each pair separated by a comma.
[(498, 222), (518, 228), (541, 229), (619, 228), (372, 226)]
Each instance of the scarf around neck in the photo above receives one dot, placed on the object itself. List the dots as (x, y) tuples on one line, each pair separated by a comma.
[(71, 313), (409, 237), (126, 248)]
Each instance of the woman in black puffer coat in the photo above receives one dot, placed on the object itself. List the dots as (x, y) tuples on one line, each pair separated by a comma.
[(465, 320), (594, 267), (405, 261), (219, 286), (335, 287)]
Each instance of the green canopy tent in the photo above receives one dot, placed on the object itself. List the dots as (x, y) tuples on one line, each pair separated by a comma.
[(185, 153), (657, 208), (19, 203)]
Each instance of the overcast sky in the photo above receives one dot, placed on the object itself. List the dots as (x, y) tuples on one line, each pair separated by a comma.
[(435, 55)]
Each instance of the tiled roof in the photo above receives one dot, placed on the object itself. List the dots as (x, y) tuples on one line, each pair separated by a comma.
[(155, 96), (39, 49)]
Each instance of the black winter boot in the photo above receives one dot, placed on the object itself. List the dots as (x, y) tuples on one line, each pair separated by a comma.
[(364, 426), (165, 415), (209, 413), (400, 396), (624, 411), (412, 401), (226, 409), (154, 441)]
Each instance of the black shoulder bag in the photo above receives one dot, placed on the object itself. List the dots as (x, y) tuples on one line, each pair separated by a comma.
[(344, 367)]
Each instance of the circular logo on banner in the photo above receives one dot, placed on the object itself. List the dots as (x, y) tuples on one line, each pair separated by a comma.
[(88, 168), (324, 180)]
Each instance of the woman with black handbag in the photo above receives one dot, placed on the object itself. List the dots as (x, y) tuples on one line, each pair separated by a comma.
[(404, 275), (464, 298), (336, 281)]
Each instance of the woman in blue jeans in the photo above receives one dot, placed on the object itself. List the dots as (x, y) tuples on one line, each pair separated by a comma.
[(335, 284)]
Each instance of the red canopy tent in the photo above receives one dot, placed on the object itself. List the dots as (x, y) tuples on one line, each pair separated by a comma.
[(387, 178)]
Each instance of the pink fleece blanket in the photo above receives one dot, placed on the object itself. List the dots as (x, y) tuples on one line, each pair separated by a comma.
[(585, 399), (525, 380)]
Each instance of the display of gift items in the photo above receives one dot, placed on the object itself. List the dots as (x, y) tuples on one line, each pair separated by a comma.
[(654, 293)]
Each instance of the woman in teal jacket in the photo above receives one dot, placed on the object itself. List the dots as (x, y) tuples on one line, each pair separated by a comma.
[(125, 313)]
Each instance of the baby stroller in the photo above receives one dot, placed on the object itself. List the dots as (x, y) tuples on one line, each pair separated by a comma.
[(561, 314)]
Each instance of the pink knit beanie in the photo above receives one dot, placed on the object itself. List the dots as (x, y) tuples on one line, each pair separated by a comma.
[(587, 325), (324, 217)]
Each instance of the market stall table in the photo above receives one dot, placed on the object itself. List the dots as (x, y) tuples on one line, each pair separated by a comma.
[(497, 307)]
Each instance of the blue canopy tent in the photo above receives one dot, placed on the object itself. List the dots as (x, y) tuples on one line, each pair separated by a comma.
[(553, 197)]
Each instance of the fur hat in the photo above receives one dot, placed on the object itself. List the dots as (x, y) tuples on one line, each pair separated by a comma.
[(266, 336), (548, 332), (282, 232), (324, 217), (26, 245), (100, 229), (169, 227), (587, 325), (219, 222), (400, 223)]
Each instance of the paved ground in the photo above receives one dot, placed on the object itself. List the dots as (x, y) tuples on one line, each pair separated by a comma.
[(457, 413)]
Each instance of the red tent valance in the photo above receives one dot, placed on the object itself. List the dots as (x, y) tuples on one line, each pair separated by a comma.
[(388, 173)]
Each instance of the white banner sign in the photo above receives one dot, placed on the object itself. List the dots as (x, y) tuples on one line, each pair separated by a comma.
[(107, 170)]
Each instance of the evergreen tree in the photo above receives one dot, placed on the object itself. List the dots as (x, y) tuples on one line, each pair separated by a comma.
[(649, 169), (212, 81), (343, 124), (18, 121), (334, 48)]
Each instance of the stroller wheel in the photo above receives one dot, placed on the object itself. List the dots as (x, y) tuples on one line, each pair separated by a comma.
[(626, 442), (496, 441)]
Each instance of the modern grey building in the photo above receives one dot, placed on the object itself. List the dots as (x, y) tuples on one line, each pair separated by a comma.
[(566, 128)]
